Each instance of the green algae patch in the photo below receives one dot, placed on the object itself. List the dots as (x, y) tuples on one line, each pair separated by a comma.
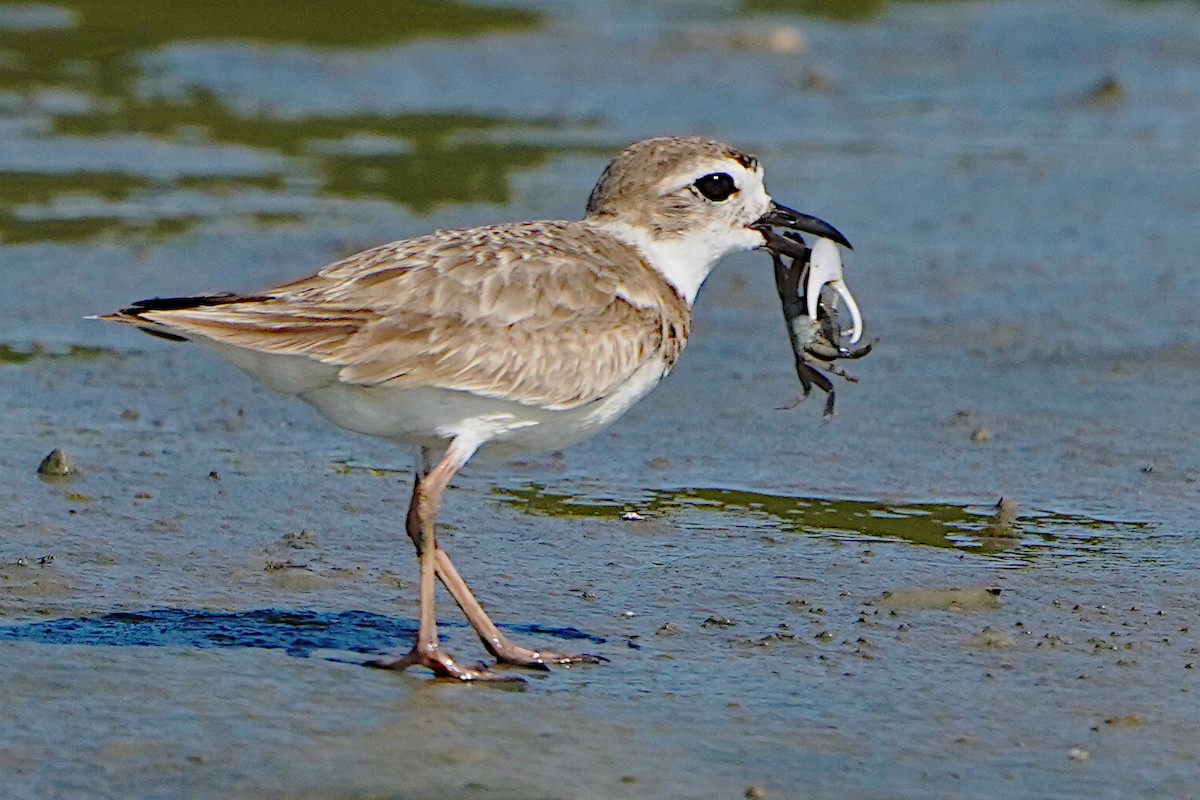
[(10, 354), (843, 10), (423, 161), (943, 525), (93, 51), (111, 31)]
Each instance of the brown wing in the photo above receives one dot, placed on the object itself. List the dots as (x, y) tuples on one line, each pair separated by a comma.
[(552, 314)]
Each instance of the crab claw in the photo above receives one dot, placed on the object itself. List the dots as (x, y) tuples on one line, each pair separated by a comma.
[(825, 269)]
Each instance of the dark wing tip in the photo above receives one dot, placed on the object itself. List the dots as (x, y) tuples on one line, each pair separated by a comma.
[(133, 313), (181, 303), (170, 337)]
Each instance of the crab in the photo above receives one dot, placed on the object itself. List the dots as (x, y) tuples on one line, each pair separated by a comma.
[(815, 331)]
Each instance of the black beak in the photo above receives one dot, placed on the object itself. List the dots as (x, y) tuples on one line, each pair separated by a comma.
[(783, 217)]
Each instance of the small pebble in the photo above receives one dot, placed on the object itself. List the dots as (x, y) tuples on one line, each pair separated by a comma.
[(989, 637), (57, 465), (1127, 721), (755, 792), (779, 39), (786, 39), (981, 434), (819, 81), (1002, 524), (1079, 754), (1107, 91), (304, 539)]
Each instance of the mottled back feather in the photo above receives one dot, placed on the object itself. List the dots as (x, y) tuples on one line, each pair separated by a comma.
[(552, 314)]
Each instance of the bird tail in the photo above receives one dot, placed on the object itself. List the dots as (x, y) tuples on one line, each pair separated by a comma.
[(134, 314)]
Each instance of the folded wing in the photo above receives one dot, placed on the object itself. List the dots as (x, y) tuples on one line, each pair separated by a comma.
[(549, 314)]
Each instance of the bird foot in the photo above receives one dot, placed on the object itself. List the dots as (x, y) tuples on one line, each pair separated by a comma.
[(443, 666), (578, 658), (517, 656)]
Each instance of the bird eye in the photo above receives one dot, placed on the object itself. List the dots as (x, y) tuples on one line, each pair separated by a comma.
[(716, 186)]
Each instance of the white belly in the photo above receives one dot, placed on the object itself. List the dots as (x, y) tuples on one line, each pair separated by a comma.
[(432, 417)]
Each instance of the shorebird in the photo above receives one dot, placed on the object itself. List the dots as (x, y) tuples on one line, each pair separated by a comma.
[(507, 338)]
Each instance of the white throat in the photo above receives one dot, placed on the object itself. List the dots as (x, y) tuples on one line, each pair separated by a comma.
[(685, 261)]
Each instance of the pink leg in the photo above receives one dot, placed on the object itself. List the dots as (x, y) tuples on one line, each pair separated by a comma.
[(496, 642), (422, 514)]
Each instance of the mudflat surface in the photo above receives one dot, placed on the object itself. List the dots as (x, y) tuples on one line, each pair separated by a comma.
[(795, 608)]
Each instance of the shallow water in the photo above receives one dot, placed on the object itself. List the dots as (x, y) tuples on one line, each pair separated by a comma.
[(186, 616)]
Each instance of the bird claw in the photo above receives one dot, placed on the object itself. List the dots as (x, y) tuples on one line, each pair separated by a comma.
[(561, 660), (443, 666), (517, 656)]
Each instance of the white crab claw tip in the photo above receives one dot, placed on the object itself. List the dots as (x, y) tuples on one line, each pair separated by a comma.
[(824, 266), (855, 331), (825, 269)]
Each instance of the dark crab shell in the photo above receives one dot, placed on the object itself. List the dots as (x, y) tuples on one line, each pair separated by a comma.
[(818, 339)]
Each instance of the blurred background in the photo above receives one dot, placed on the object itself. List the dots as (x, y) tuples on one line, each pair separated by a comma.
[(1020, 181)]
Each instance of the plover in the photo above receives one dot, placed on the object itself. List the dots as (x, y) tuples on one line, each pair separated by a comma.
[(506, 338)]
